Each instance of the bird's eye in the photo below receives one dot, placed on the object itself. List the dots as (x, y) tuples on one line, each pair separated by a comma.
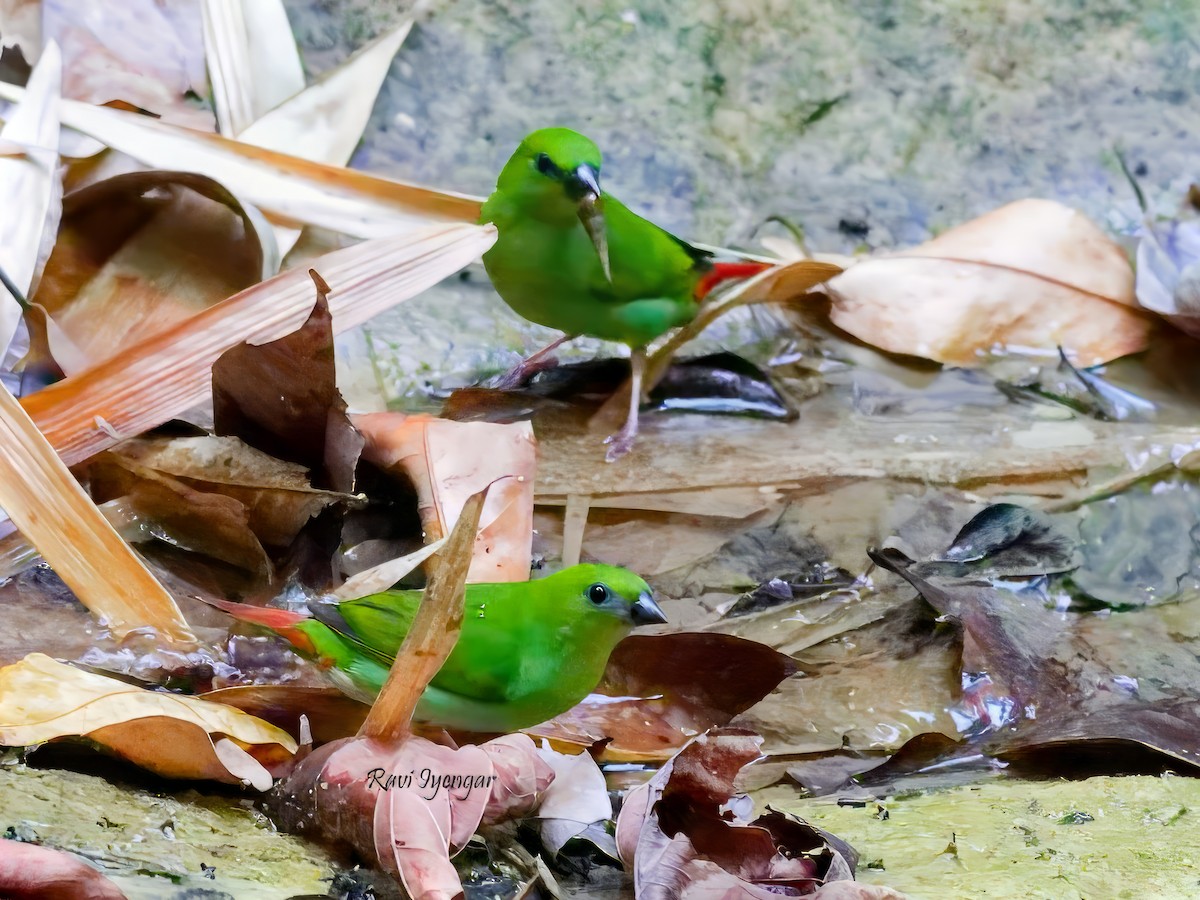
[(597, 593), (546, 165)]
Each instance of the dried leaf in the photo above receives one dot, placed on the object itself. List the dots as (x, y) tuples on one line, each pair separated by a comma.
[(331, 714), (325, 121), (29, 871), (172, 735), (390, 802), (47, 504), (660, 690), (578, 797), (140, 252), (30, 188), (21, 26), (1168, 271), (281, 397), (142, 52), (447, 461), (387, 574), (683, 836), (160, 378), (1029, 278), (253, 63), (278, 496), (288, 188)]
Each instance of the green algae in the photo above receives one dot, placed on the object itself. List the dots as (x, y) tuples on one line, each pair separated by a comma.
[(160, 845), (1105, 837)]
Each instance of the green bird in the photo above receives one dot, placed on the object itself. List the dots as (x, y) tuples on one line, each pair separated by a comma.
[(574, 258), (527, 650)]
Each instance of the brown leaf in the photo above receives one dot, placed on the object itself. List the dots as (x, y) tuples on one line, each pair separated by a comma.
[(161, 377), (282, 398), (277, 495), (670, 686), (342, 792), (47, 504), (30, 872), (141, 252), (1026, 278), (331, 714), (447, 461), (173, 735), (287, 188), (682, 835)]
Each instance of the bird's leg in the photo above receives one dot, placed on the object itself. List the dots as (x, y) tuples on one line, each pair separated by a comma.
[(531, 365), (622, 442)]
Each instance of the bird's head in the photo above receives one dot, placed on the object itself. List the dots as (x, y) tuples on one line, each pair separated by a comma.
[(556, 172), (608, 594)]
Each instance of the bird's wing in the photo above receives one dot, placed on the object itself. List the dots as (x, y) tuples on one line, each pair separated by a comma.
[(647, 261), (381, 621)]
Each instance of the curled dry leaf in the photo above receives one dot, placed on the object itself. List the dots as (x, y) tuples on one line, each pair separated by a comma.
[(331, 714), (1026, 278), (577, 798), (447, 461), (140, 252), (685, 834), (165, 375), (21, 26), (145, 53), (277, 495), (28, 872), (282, 398), (172, 735), (660, 690), (411, 805)]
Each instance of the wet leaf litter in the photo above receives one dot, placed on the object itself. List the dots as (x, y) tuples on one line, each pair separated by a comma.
[(888, 580)]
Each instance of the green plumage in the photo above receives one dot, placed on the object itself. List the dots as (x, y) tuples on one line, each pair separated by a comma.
[(527, 651), (545, 265)]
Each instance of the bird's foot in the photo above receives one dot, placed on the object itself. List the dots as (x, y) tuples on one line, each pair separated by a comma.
[(620, 443), (518, 375)]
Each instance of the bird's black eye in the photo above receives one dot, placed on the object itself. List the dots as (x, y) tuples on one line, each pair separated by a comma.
[(546, 165), (597, 593)]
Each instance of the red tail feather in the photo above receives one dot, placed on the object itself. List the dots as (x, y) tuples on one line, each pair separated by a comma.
[(724, 271), (281, 621)]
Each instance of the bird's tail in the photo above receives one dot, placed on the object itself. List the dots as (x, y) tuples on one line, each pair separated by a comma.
[(725, 271), (282, 621)]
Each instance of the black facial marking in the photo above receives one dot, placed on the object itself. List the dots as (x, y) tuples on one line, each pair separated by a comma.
[(546, 166)]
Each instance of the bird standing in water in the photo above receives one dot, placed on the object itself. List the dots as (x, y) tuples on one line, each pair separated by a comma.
[(574, 258)]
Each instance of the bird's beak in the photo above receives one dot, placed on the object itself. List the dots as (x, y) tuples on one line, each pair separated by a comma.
[(647, 612), (584, 184)]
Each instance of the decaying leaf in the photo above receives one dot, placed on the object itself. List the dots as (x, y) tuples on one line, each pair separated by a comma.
[(331, 714), (142, 52), (1168, 269), (140, 252), (1029, 277), (282, 398), (660, 690), (288, 188), (278, 496), (447, 461), (576, 800), (29, 871), (161, 377), (170, 734), (30, 184), (684, 835), (21, 26), (253, 63), (44, 500)]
